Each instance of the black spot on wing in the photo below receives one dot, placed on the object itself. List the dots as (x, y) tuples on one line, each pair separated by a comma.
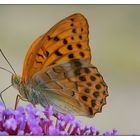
[(80, 36), (71, 24), (71, 55), (40, 55), (98, 86), (49, 38), (79, 46), (76, 63), (58, 53), (87, 70), (89, 84), (84, 98), (69, 47), (56, 38), (96, 94), (90, 111), (82, 54), (87, 90), (74, 30), (82, 78), (93, 103), (46, 53), (92, 78), (65, 41)]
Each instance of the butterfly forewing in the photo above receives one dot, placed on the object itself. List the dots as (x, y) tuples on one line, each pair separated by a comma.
[(66, 41)]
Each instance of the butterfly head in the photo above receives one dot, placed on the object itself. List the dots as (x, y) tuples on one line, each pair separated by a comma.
[(16, 81)]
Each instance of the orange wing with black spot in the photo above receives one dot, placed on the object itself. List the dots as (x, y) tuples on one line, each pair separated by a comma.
[(92, 89), (65, 41), (75, 86)]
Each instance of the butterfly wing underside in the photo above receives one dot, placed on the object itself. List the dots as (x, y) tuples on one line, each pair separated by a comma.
[(58, 66), (67, 40), (74, 86)]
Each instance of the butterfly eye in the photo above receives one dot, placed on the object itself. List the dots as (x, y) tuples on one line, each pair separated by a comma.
[(17, 80)]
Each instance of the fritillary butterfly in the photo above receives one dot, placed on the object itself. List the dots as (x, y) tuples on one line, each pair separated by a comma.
[(57, 71)]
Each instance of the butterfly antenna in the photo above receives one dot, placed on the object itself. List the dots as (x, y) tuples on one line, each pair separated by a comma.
[(6, 70), (2, 97), (7, 61)]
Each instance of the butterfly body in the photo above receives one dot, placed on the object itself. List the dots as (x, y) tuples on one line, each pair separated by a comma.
[(57, 71)]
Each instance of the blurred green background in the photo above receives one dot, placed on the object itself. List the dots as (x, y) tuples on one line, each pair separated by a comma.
[(115, 44)]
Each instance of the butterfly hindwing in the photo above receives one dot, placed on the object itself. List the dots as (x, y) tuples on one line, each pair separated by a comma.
[(74, 86), (67, 40)]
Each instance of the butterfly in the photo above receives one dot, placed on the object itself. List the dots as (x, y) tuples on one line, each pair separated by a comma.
[(58, 71)]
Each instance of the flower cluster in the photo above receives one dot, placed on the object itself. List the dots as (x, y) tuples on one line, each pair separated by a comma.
[(27, 121)]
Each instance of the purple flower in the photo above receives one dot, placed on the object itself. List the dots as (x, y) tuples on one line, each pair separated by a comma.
[(20, 133), (114, 132), (1, 111), (69, 118), (10, 124), (48, 111), (27, 121), (108, 133), (3, 133), (52, 131)]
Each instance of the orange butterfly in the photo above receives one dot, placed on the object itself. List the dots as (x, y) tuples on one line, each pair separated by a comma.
[(57, 71)]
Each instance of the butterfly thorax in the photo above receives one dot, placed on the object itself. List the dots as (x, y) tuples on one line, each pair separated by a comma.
[(27, 91)]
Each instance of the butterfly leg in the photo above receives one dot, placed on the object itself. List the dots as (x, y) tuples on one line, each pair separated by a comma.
[(19, 97)]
